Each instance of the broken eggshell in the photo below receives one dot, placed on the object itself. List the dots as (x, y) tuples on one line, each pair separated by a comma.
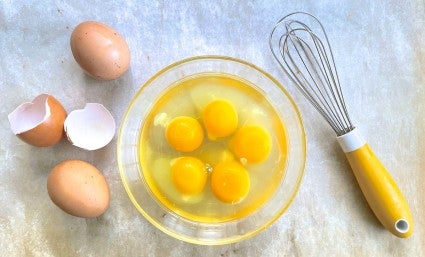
[(90, 128), (40, 122)]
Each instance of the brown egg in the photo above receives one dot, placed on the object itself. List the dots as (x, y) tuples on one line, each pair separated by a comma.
[(100, 50), (40, 122), (78, 188)]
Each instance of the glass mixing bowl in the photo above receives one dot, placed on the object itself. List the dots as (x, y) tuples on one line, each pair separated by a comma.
[(207, 233)]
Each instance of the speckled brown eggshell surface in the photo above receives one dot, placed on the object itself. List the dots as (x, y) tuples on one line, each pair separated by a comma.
[(78, 188), (100, 50)]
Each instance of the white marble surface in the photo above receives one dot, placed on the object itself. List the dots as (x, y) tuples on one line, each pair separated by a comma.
[(379, 47)]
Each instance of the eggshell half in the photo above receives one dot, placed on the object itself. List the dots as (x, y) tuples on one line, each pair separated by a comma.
[(100, 50), (90, 128), (40, 122), (79, 189)]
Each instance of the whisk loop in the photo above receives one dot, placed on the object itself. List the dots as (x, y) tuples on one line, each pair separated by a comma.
[(309, 63)]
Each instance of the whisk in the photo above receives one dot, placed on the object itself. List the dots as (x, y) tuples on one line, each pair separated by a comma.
[(300, 45)]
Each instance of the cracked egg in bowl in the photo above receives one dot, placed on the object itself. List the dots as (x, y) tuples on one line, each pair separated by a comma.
[(212, 150)]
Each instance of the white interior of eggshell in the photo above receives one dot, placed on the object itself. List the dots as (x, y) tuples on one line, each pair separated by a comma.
[(29, 115), (90, 128)]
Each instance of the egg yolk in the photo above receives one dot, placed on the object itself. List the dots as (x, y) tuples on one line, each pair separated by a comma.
[(252, 143), (230, 181), (220, 119), (184, 134), (189, 175)]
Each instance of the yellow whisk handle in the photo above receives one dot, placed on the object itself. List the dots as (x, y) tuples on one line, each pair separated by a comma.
[(381, 192)]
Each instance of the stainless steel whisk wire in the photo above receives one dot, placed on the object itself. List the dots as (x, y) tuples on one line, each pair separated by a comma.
[(312, 68)]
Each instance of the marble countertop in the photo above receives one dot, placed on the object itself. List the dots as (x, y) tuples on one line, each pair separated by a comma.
[(379, 47)]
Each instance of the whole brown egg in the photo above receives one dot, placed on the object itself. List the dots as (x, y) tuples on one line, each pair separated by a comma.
[(100, 50), (78, 188)]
